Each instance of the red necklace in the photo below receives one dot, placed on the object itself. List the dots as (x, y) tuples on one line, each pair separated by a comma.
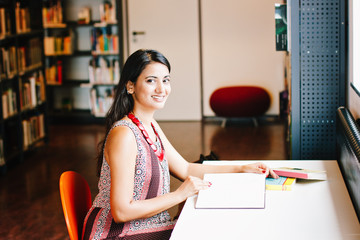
[(159, 154)]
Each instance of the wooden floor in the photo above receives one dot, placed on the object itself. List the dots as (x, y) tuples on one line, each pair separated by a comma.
[(30, 205)]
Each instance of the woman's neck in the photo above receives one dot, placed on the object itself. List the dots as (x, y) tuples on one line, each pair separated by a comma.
[(145, 117)]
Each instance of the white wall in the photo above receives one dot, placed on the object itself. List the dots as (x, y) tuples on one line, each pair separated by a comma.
[(239, 48), (238, 40), (174, 31)]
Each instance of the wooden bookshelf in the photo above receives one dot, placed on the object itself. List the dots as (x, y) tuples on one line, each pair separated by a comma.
[(98, 62), (22, 84)]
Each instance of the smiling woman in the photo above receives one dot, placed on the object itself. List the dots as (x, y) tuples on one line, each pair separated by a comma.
[(151, 90), (136, 158)]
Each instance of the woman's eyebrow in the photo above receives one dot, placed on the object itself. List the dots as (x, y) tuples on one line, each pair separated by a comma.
[(167, 76)]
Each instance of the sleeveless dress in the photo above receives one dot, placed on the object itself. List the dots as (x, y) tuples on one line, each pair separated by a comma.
[(151, 179)]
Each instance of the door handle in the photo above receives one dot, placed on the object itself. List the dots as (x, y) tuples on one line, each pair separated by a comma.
[(134, 33)]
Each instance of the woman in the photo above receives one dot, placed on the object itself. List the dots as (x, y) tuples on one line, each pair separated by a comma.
[(136, 159)]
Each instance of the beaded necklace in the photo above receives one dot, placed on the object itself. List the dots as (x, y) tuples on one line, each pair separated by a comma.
[(135, 120)]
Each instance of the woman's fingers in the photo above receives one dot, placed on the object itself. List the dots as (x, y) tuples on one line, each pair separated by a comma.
[(262, 168), (273, 174)]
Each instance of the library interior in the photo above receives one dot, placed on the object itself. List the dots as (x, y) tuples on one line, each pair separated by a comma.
[(275, 81)]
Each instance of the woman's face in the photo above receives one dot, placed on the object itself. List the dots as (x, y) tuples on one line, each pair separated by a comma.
[(152, 87)]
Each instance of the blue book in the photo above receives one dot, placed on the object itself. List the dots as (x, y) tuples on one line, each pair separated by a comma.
[(280, 184)]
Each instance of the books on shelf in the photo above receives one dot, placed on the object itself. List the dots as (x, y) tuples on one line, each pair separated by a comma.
[(108, 12), (84, 15), (22, 19), (5, 22), (53, 73), (281, 34), (9, 103), (103, 41), (32, 91), (300, 173), (58, 45), (30, 55), (52, 14), (280, 184), (33, 130), (233, 190), (103, 71), (8, 61), (101, 100)]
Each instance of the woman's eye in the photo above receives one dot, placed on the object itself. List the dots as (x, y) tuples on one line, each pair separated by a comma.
[(150, 80), (166, 80)]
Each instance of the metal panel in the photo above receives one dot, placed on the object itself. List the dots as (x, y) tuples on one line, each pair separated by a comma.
[(321, 77)]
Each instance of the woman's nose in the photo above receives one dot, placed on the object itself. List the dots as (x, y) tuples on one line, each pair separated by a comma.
[(160, 87)]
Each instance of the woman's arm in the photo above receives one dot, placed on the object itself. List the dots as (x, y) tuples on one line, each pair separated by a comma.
[(200, 169), (122, 162), (182, 169)]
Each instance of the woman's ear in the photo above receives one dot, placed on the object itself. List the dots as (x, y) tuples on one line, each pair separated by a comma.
[(130, 87)]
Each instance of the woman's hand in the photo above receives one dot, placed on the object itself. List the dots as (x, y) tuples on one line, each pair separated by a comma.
[(260, 168), (191, 186)]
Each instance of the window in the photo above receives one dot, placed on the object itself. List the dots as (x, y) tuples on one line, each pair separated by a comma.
[(354, 44)]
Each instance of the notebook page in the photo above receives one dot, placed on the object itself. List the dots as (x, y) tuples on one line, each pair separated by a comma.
[(233, 190)]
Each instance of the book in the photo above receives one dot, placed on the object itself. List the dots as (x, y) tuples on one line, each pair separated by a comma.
[(2, 159), (280, 184), (281, 27), (300, 173), (233, 190)]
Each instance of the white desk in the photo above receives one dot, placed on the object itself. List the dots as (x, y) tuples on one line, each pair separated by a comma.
[(312, 210)]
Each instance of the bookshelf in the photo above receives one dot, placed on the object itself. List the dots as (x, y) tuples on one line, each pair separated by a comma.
[(22, 83), (83, 55)]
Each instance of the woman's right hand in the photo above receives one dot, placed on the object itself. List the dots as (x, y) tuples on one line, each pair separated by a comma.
[(192, 185)]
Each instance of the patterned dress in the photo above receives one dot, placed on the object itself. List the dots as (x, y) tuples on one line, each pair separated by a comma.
[(152, 179)]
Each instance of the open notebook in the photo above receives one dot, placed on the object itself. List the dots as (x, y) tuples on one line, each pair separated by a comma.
[(233, 190)]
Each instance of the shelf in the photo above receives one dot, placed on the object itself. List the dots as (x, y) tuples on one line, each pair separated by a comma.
[(104, 53), (90, 85), (104, 24), (59, 55), (30, 33), (79, 33), (7, 39), (11, 117), (75, 116), (35, 144), (69, 83), (74, 24), (82, 53), (30, 69), (29, 110), (24, 78), (86, 53), (55, 26), (11, 77)]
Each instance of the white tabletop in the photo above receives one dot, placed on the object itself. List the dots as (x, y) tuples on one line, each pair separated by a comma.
[(312, 210)]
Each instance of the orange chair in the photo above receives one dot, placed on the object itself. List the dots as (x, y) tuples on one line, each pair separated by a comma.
[(76, 201)]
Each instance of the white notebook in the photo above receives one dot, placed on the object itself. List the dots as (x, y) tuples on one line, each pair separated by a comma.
[(233, 190)]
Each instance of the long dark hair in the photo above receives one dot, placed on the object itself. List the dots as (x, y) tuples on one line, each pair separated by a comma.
[(123, 102)]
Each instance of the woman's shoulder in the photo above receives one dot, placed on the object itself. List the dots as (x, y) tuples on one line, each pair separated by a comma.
[(122, 126), (121, 133)]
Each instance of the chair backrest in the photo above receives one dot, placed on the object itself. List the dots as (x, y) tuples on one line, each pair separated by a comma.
[(76, 201)]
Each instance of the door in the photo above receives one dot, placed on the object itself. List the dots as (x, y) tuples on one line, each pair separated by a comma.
[(171, 27), (238, 48)]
